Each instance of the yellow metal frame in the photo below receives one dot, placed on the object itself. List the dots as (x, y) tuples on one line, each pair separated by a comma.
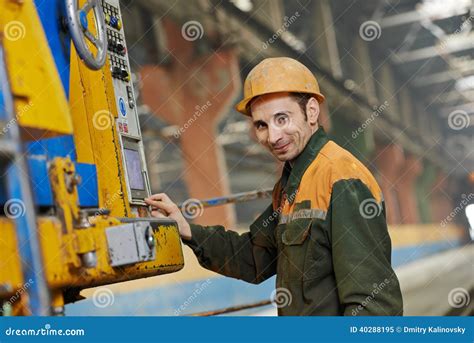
[(34, 80), (43, 111)]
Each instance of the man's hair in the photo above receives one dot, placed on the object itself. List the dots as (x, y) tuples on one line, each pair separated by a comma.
[(302, 100)]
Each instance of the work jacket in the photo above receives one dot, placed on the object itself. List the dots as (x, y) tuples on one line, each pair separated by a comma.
[(324, 236)]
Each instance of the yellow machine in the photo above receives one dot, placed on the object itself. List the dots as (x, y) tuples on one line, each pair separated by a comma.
[(72, 159)]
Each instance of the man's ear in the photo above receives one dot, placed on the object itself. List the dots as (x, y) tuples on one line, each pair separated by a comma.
[(312, 111)]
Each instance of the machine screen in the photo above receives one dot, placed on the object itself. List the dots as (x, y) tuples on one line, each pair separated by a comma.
[(134, 169)]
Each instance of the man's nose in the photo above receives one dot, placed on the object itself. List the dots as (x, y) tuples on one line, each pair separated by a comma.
[(274, 134)]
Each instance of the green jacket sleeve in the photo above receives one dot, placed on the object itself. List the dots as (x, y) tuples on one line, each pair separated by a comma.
[(250, 256), (367, 284)]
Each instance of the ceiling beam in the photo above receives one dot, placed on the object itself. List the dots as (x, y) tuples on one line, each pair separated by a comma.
[(452, 43)]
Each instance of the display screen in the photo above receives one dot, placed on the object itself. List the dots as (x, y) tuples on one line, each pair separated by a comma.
[(134, 169)]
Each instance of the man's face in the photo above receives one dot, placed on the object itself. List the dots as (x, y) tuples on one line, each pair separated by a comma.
[(281, 126)]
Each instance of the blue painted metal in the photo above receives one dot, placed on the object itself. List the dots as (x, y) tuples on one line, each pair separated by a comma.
[(88, 189), (41, 186), (83, 20), (62, 146), (3, 113), (51, 14), (18, 191)]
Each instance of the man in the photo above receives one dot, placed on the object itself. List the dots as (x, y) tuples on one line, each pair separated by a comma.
[(325, 234)]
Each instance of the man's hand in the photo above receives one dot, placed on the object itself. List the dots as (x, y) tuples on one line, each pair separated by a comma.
[(163, 207)]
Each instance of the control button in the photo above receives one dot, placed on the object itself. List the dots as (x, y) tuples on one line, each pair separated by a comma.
[(112, 45), (131, 103), (125, 75), (125, 127), (116, 72), (113, 21), (123, 109), (118, 26), (107, 18), (120, 48)]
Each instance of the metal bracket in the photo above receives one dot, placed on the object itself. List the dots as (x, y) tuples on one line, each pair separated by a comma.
[(131, 243)]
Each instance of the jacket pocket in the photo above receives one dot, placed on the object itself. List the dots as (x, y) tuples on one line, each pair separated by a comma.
[(294, 247)]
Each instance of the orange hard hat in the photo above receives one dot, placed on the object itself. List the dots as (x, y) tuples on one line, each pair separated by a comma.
[(278, 74)]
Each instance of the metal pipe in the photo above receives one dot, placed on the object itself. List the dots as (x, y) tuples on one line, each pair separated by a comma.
[(231, 309), (234, 198)]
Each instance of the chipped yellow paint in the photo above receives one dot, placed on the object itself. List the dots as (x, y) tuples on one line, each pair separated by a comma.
[(61, 270)]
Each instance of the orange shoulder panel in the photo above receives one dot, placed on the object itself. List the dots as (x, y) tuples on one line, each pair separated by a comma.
[(333, 164)]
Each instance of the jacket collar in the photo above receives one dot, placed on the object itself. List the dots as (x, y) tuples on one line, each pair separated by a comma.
[(291, 176)]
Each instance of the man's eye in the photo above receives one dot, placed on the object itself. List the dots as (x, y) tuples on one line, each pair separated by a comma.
[(259, 126), (281, 120)]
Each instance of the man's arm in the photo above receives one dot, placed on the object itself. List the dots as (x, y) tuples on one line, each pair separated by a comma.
[(250, 256), (367, 284)]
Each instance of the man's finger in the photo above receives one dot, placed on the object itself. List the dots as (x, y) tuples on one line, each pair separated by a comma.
[(157, 214), (161, 197), (167, 207)]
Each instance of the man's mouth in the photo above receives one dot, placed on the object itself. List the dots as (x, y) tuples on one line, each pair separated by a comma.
[(281, 148)]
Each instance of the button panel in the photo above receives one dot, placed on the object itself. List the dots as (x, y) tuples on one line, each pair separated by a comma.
[(127, 123)]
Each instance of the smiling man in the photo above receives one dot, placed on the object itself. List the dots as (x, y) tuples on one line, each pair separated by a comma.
[(324, 235)]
